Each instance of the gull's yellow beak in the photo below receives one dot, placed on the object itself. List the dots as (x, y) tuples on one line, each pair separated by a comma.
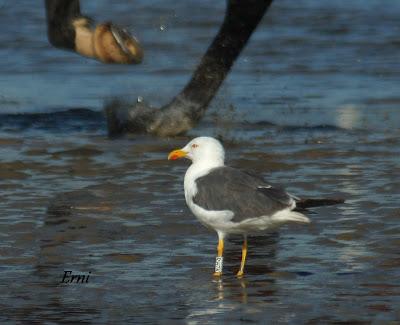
[(177, 154)]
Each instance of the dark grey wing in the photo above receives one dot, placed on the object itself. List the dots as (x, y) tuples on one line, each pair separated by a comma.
[(247, 196)]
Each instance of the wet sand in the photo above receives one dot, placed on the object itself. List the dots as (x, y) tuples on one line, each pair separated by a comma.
[(116, 208), (311, 104)]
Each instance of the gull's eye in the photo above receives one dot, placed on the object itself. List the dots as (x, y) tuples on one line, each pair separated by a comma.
[(194, 146)]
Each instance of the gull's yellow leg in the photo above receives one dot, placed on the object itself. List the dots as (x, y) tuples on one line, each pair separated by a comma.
[(244, 254), (219, 259)]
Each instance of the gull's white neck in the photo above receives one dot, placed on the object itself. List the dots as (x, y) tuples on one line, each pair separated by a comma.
[(196, 170), (202, 167)]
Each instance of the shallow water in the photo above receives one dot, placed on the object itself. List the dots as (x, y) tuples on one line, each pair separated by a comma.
[(312, 104)]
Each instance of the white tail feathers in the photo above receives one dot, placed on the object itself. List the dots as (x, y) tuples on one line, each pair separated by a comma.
[(290, 216)]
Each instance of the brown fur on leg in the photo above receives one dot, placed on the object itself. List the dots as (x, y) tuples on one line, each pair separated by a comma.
[(83, 37)]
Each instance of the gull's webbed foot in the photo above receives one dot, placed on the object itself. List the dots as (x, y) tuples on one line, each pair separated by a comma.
[(244, 255)]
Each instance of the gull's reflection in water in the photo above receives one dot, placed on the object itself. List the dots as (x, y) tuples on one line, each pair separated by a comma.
[(256, 287), (260, 258), (237, 289)]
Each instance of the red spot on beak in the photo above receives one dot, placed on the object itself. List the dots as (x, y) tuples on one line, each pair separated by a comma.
[(176, 154)]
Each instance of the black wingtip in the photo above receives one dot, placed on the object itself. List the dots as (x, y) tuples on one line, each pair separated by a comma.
[(312, 203)]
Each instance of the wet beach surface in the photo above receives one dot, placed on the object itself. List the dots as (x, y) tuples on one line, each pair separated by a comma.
[(312, 104)]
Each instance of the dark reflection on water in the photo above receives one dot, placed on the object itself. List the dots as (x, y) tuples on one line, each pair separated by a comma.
[(319, 80), (116, 209)]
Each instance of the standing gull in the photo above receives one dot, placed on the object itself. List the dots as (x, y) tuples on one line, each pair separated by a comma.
[(231, 201)]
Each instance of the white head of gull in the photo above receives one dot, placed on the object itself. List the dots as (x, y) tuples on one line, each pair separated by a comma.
[(231, 201)]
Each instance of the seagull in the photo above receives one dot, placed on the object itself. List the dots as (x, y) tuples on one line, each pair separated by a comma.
[(232, 201)]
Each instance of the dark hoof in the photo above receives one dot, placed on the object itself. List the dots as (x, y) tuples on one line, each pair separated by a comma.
[(127, 118), (171, 120)]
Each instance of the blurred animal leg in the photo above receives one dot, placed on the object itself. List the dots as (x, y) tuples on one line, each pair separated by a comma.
[(68, 29)]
